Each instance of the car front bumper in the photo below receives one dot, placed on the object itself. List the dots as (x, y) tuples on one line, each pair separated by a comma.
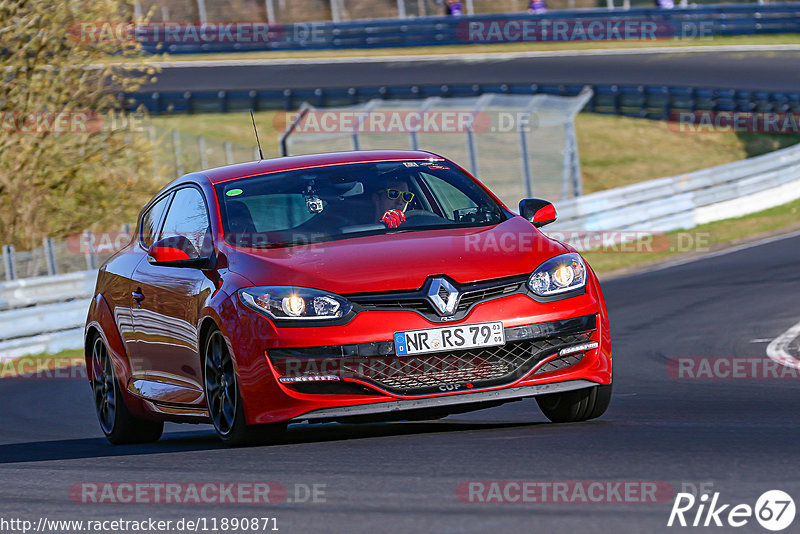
[(258, 346)]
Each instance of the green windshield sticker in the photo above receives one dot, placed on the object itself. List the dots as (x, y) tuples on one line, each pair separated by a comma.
[(234, 192)]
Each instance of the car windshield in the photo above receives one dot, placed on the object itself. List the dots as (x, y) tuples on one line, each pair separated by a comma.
[(342, 201)]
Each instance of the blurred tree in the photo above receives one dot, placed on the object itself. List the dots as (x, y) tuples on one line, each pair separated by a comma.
[(69, 160)]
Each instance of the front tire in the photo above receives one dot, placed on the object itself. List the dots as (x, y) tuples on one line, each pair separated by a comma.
[(576, 405), (116, 421), (224, 401)]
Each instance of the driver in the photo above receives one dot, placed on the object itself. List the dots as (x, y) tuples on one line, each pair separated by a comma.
[(391, 202)]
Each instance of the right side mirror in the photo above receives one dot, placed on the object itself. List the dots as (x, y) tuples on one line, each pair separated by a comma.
[(539, 212)]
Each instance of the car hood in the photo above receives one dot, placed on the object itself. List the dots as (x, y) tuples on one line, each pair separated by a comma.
[(400, 261)]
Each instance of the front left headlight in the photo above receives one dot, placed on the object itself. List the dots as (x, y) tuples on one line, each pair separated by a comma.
[(566, 272), (295, 303)]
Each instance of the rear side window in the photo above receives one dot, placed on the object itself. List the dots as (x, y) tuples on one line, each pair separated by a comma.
[(188, 217), (150, 221)]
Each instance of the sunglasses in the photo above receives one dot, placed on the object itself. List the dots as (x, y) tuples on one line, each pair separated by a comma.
[(394, 194)]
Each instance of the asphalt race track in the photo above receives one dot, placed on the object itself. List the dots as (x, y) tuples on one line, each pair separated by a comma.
[(740, 435), (761, 71)]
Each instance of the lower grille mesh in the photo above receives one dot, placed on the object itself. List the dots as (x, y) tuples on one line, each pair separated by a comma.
[(409, 375)]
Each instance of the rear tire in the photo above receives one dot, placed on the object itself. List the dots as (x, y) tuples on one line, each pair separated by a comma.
[(577, 405), (224, 401), (116, 421)]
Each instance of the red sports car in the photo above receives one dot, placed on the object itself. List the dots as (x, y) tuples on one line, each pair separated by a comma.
[(358, 286)]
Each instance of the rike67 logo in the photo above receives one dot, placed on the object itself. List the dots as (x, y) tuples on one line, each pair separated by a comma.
[(774, 510)]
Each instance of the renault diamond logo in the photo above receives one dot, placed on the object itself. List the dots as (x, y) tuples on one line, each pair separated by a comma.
[(443, 296)]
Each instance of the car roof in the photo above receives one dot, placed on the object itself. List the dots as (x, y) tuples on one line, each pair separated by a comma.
[(241, 170)]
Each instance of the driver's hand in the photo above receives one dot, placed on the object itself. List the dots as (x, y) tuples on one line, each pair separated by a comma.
[(393, 218)]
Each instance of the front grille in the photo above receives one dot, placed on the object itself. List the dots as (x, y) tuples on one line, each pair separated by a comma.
[(416, 300), (427, 373), (473, 297)]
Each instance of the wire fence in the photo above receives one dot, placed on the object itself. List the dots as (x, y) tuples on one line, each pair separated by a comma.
[(518, 145)]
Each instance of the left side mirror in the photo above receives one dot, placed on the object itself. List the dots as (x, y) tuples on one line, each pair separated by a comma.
[(539, 212), (176, 251)]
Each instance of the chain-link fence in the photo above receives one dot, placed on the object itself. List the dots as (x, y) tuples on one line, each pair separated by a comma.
[(519, 145)]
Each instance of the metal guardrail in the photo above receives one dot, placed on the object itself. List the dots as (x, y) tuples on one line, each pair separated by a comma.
[(718, 19), (46, 290), (44, 314), (685, 201), (653, 102)]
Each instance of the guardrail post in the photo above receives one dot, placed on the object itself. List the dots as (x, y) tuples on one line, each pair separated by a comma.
[(50, 256), (401, 9), (222, 96), (188, 97), (91, 257), (253, 94), (10, 261)]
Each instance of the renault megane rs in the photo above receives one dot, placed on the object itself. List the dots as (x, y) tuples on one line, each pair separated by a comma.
[(360, 286)]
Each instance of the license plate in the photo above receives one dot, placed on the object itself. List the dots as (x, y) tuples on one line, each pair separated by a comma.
[(449, 338)]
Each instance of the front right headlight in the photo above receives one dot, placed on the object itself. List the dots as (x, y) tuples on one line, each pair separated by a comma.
[(566, 272)]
